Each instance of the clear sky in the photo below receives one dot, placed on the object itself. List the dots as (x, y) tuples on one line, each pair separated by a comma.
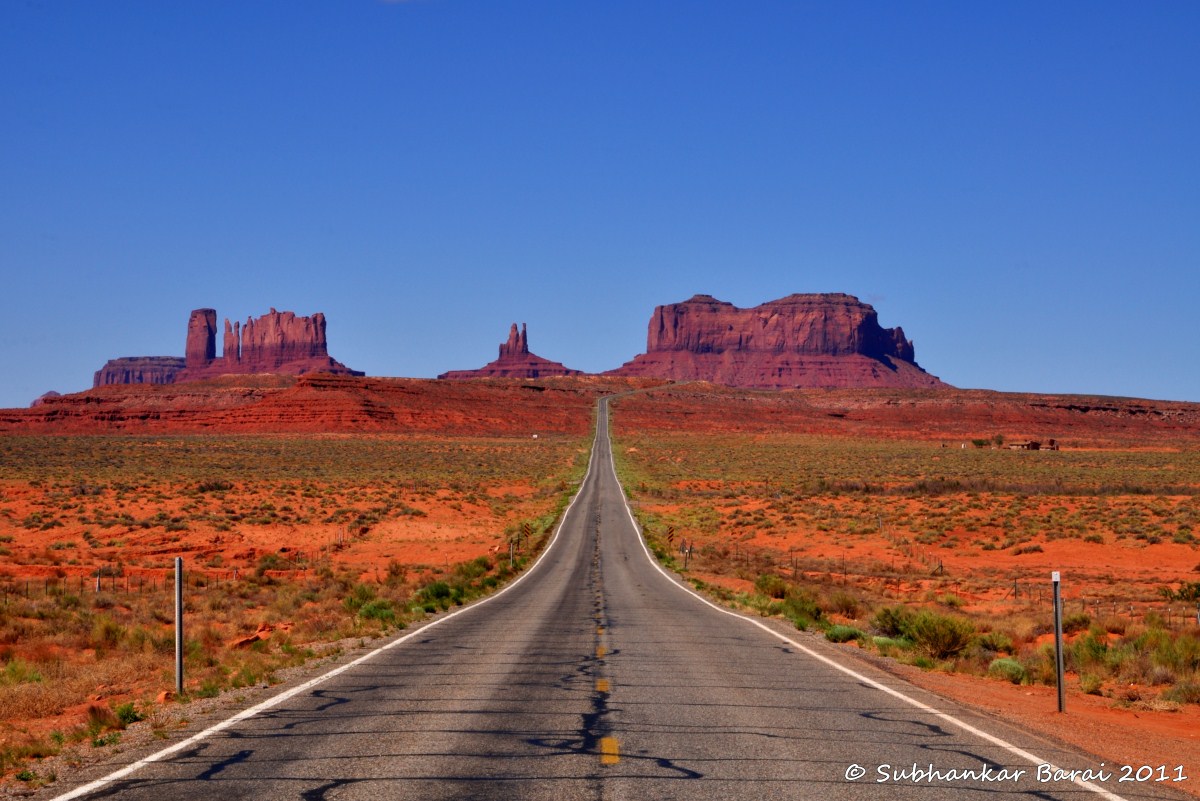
[(1017, 184)]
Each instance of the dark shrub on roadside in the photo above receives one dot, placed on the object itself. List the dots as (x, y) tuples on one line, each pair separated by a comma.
[(893, 621), (1007, 669), (844, 634), (770, 585), (801, 608), (940, 636)]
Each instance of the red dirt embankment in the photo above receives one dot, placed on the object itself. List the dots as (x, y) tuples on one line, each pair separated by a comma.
[(325, 404), (951, 415)]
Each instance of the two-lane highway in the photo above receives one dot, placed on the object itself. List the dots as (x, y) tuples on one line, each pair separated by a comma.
[(597, 676)]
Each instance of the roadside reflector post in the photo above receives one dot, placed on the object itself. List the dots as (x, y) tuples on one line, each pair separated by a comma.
[(178, 626), (1058, 640)]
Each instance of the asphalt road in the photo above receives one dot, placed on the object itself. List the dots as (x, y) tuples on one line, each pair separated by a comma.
[(597, 676)]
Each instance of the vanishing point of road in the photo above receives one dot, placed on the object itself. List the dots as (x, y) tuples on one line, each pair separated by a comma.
[(597, 676)]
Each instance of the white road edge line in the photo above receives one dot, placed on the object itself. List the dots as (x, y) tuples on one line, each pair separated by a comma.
[(276, 700), (1007, 746)]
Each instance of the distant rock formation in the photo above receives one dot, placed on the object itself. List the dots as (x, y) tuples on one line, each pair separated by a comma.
[(277, 342), (801, 341), (44, 398), (232, 346), (517, 345), (201, 346), (515, 361), (139, 370)]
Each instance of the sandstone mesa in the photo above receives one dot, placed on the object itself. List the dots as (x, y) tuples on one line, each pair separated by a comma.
[(804, 341), (278, 342), (139, 370)]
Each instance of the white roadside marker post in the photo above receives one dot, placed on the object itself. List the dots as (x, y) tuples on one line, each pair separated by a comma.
[(178, 626), (1058, 640)]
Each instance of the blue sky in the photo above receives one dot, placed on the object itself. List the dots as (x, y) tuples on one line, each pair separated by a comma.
[(1016, 184)]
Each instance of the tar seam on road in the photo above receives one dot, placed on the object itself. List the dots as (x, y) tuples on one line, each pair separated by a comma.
[(610, 751), (1012, 749), (274, 701)]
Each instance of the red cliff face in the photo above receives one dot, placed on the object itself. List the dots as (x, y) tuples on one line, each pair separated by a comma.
[(231, 352), (277, 342), (201, 338), (515, 361), (816, 340), (278, 338), (517, 345), (139, 370)]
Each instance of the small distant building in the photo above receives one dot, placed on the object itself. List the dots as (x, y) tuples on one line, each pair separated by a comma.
[(1033, 445)]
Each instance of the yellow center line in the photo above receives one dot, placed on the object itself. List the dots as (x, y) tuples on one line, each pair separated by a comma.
[(599, 629), (602, 685), (600, 651), (610, 751)]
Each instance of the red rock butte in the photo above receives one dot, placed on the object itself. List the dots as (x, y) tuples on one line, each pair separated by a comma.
[(515, 361), (278, 342), (139, 370), (801, 341)]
